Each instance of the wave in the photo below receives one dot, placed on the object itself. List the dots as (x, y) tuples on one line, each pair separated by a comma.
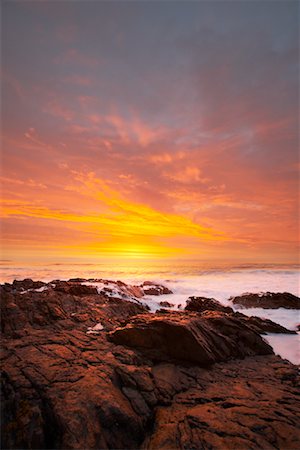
[(185, 280)]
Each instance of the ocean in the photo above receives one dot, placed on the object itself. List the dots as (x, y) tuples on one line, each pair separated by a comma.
[(219, 281)]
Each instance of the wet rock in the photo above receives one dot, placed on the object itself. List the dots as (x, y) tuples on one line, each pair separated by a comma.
[(58, 307), (134, 291), (166, 304), (26, 284), (267, 300), (150, 288), (261, 326), (78, 280), (201, 304), (75, 288)]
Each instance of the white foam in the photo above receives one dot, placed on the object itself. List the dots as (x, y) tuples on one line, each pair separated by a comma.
[(288, 318), (95, 329), (222, 286), (41, 289), (285, 345), (185, 280), (112, 290)]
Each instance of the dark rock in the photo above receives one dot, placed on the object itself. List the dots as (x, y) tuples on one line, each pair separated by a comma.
[(78, 280), (166, 304), (75, 288), (261, 326), (150, 288), (26, 284), (63, 388), (201, 304), (267, 300), (204, 339), (59, 308), (82, 290)]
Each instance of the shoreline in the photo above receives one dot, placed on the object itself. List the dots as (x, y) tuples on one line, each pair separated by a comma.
[(85, 368)]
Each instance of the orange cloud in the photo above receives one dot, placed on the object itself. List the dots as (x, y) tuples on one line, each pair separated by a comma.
[(188, 174), (125, 226), (167, 157), (57, 109), (133, 129)]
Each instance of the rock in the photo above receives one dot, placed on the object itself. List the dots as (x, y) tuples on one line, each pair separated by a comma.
[(117, 289), (120, 310), (261, 326), (201, 304), (129, 290), (134, 291), (75, 288), (66, 396), (63, 388), (78, 280), (26, 284), (81, 289), (166, 304), (233, 408), (267, 300), (59, 308), (150, 288), (204, 340)]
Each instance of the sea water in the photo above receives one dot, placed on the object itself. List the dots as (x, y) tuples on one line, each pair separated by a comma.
[(185, 279)]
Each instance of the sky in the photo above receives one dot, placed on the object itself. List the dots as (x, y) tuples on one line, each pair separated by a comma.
[(150, 129)]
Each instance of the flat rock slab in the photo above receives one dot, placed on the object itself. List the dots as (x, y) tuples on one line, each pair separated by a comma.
[(250, 404)]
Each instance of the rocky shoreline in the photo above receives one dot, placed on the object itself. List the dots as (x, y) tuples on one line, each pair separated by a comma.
[(86, 365)]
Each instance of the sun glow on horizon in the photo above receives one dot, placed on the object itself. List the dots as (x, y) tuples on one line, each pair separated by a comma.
[(126, 228), (159, 140), (122, 228)]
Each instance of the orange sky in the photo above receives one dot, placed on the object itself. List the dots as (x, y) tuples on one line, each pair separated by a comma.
[(139, 130)]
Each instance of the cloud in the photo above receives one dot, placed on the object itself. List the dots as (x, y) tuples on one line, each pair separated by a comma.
[(29, 182), (124, 220), (188, 174), (57, 109), (186, 115), (134, 130)]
